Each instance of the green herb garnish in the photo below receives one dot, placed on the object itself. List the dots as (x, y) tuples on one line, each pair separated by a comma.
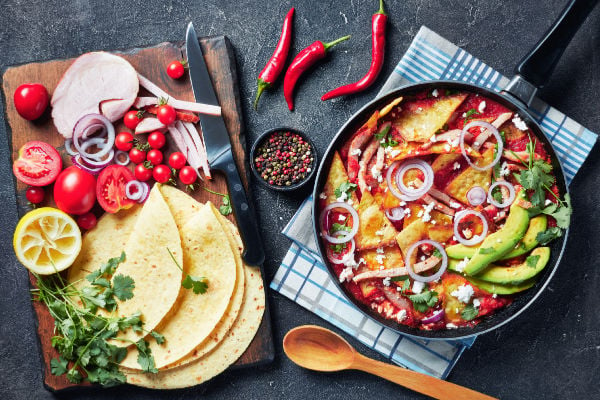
[(469, 312), (436, 253), (338, 247), (199, 285), (336, 227), (424, 300), (548, 235), (470, 114), (225, 208), (345, 187)]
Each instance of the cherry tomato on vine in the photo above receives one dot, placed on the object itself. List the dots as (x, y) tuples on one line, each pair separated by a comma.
[(154, 156), (177, 160), (124, 141), (31, 100), (166, 114), (161, 173), (137, 156), (87, 221), (132, 119), (188, 175), (35, 195), (142, 173), (176, 69), (156, 139)]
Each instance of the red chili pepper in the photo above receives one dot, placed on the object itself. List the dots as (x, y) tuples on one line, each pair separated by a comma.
[(303, 61), (275, 65), (378, 23)]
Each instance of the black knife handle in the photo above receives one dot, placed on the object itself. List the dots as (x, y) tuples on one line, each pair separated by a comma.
[(243, 211)]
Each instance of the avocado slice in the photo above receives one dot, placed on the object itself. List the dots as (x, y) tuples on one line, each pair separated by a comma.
[(517, 274), (496, 288), (536, 225), (499, 243)]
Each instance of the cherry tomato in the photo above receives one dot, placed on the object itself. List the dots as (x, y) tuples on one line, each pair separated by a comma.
[(154, 156), (75, 191), (156, 139), (31, 100), (142, 173), (87, 221), (176, 69), (161, 173), (110, 189), (137, 156), (166, 114), (132, 119), (188, 175), (35, 195), (38, 164), (124, 141), (177, 160)]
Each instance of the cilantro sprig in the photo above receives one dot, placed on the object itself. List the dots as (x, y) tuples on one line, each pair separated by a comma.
[(345, 187), (424, 300), (384, 136), (469, 313), (470, 114), (225, 208), (199, 285)]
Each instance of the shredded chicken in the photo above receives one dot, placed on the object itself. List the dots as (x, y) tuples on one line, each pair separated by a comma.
[(419, 267), (485, 135), (427, 198), (364, 164), (518, 156), (355, 150)]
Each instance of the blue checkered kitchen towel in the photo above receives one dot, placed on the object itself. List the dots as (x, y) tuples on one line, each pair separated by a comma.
[(302, 276)]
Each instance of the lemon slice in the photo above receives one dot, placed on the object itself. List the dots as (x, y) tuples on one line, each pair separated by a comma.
[(47, 240)]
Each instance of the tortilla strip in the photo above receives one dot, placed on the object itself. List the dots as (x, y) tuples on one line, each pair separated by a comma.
[(226, 352), (148, 262), (374, 229), (206, 253), (337, 175), (470, 177), (393, 258)]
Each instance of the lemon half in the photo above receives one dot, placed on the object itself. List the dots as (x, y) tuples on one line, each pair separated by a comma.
[(47, 240)]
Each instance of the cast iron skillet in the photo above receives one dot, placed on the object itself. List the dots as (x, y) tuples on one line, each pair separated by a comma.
[(531, 73)]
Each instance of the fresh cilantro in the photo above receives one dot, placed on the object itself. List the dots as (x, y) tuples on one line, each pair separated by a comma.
[(160, 339), (336, 227), (145, 358), (560, 212), (532, 261), (345, 187), (486, 250), (58, 366), (384, 136), (123, 287), (537, 178), (405, 283), (225, 208), (437, 253), (470, 114), (469, 313), (450, 92), (199, 285), (548, 235), (338, 247), (503, 136), (424, 300), (385, 129), (497, 194)]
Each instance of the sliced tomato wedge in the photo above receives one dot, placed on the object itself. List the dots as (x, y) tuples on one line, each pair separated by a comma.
[(38, 164), (110, 188)]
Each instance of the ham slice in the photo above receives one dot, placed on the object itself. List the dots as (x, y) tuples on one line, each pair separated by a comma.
[(94, 79), (149, 124), (177, 104)]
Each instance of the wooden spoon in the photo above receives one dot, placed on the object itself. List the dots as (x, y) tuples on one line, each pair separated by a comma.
[(320, 349)]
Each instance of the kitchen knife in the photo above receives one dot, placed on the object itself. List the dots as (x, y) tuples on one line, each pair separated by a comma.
[(218, 148)]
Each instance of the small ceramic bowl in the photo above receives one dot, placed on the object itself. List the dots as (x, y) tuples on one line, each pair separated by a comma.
[(310, 174)]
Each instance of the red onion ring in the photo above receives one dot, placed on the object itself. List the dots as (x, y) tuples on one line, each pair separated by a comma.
[(435, 317), (396, 214), (511, 194), (345, 257), (344, 237), (476, 238), (90, 130), (84, 126), (139, 190), (121, 155), (99, 163), (440, 271), (406, 193), (476, 195), (78, 161), (491, 128), (69, 148), (145, 192)]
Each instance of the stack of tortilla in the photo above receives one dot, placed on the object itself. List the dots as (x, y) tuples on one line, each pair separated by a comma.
[(205, 333)]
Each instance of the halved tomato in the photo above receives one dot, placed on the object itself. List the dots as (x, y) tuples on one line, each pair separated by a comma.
[(38, 164), (110, 188)]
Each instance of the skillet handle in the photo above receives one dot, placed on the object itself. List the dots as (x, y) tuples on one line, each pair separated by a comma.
[(537, 66)]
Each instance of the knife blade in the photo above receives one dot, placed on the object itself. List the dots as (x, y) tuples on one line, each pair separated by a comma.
[(218, 149)]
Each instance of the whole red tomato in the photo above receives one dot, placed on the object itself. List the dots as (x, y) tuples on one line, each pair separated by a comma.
[(75, 191), (166, 114), (176, 69), (156, 139), (161, 173), (177, 160), (124, 141), (188, 175), (132, 119), (142, 173), (31, 100), (35, 195), (137, 156)]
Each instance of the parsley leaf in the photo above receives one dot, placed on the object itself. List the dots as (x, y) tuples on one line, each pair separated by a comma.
[(225, 208), (470, 113), (197, 284), (145, 358), (336, 227), (548, 235), (532, 261), (58, 366), (424, 300), (469, 312), (160, 339), (345, 187), (123, 287), (338, 247), (537, 178), (437, 253), (486, 250)]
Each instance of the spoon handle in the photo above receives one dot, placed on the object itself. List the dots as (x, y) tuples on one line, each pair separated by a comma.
[(436, 388)]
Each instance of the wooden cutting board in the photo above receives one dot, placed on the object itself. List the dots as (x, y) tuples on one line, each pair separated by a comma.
[(150, 62)]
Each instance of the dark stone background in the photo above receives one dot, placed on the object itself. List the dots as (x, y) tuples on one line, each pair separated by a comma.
[(551, 351)]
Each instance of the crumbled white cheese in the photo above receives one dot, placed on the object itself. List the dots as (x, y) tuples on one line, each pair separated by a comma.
[(350, 201), (343, 197), (407, 212), (476, 303), (369, 187), (460, 267), (419, 109), (375, 172), (362, 261), (382, 141), (454, 204), (456, 165), (504, 171), (420, 213), (323, 196), (380, 258), (387, 281), (463, 293), (456, 310), (379, 232), (347, 274), (422, 258), (355, 152), (464, 115), (418, 287), (402, 203), (433, 139), (494, 295), (379, 250), (519, 123), (450, 325), (481, 107), (548, 202), (401, 316), (380, 178), (426, 212), (341, 217), (435, 93), (433, 222), (392, 152)]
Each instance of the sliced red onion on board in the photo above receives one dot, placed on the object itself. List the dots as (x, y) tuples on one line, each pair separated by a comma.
[(435, 317), (82, 130), (76, 160), (99, 163), (395, 214), (506, 202), (72, 151), (476, 195), (345, 237), (121, 158), (476, 238), (491, 128), (145, 192), (440, 271)]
